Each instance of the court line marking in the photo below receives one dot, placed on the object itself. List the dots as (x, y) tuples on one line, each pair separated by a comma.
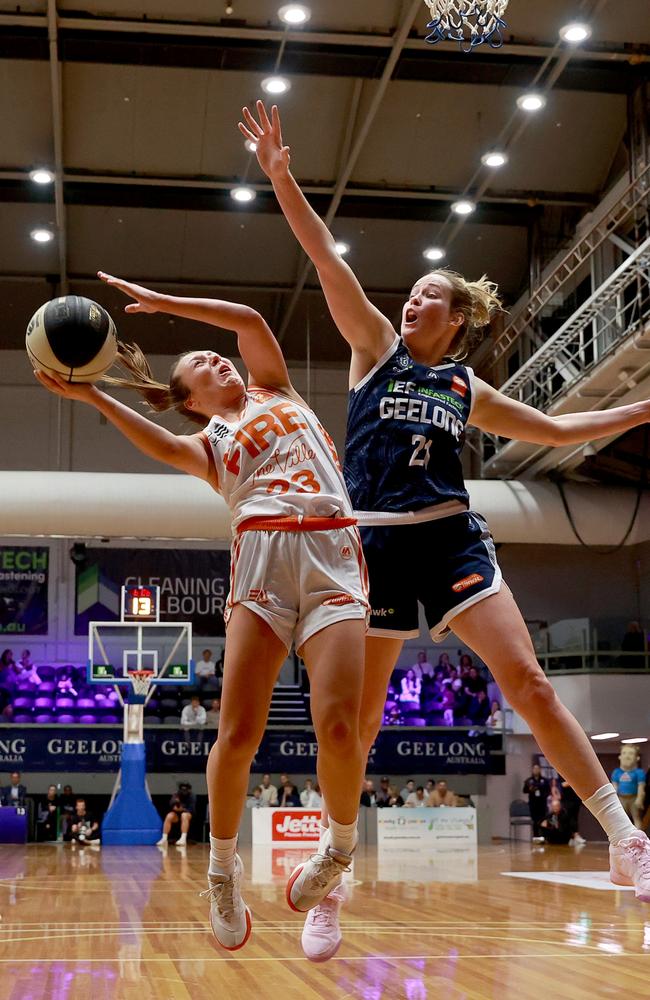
[(607, 956)]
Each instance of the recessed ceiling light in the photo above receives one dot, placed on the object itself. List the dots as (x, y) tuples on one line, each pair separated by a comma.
[(41, 176), (636, 739), (531, 102), (251, 146), (342, 248), (42, 235), (275, 85), (494, 158), (463, 207), (605, 736), (242, 194), (434, 253), (294, 13), (575, 32)]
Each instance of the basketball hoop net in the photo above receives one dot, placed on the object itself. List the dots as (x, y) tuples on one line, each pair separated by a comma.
[(141, 681), (468, 22)]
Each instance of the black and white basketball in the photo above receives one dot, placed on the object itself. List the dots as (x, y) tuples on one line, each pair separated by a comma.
[(73, 337)]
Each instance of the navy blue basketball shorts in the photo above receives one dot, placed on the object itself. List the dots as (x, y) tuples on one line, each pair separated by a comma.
[(447, 565)]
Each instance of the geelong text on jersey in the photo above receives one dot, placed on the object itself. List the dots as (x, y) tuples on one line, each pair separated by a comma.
[(420, 411)]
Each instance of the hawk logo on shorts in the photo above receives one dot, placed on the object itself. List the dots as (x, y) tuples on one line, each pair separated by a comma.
[(259, 596), (459, 386), (468, 581), (346, 552), (340, 599)]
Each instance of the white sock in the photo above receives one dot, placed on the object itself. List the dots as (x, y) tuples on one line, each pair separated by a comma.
[(182, 840), (605, 806), (344, 836), (324, 839), (222, 855)]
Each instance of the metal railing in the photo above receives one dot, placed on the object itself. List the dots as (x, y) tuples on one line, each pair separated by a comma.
[(595, 661)]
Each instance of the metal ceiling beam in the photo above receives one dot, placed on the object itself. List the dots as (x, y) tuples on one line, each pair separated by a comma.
[(57, 130)]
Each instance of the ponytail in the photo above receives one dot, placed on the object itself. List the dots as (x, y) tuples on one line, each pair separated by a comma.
[(159, 395), (478, 301)]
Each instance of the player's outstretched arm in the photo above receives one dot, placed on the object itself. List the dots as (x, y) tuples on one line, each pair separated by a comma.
[(498, 414), (365, 328), (257, 346), (180, 451)]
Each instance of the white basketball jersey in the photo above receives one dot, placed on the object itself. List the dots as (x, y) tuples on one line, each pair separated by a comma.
[(277, 460)]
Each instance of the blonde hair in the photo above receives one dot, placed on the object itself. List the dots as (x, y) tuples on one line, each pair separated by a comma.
[(160, 396), (478, 301)]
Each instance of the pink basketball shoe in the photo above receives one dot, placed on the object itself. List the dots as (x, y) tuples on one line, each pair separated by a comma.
[(321, 935), (629, 864)]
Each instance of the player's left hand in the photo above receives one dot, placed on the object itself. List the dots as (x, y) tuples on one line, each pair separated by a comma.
[(272, 155)]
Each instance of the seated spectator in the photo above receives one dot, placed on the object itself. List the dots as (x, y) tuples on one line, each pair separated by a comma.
[(556, 828), (474, 682), (442, 796), (411, 689), (478, 710), (83, 828), (284, 778), (408, 788), (31, 676), (309, 797), (495, 718), (448, 706), (429, 786), (417, 799), (8, 670), (465, 663), (66, 683), (14, 794), (25, 661), (255, 801), (395, 800), (383, 794), (213, 713), (289, 798), (47, 816), (205, 670), (368, 795), (461, 700), (193, 717), (269, 791), (444, 664), (182, 807), (393, 717), (422, 668)]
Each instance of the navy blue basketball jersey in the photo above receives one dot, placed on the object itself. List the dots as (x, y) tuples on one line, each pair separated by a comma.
[(406, 430)]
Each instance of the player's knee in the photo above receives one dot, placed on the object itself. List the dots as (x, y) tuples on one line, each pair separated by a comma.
[(336, 734), (238, 740), (534, 695)]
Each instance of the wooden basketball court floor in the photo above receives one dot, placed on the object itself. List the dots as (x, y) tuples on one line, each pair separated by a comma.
[(511, 921)]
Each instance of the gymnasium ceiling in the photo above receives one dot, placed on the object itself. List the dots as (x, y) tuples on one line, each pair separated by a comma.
[(145, 133)]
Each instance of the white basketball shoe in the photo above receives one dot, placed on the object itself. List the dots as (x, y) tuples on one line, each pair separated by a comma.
[(312, 881), (230, 918), (321, 935)]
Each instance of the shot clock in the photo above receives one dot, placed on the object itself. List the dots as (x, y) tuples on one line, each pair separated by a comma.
[(141, 604)]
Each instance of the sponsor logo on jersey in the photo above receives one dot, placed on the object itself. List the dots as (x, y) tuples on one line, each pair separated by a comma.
[(468, 581), (340, 600), (259, 596), (346, 552), (458, 385), (260, 395), (216, 432)]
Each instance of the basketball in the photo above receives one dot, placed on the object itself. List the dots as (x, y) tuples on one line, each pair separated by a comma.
[(73, 337)]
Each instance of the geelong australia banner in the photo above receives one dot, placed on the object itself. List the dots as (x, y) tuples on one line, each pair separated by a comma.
[(193, 585), (23, 590)]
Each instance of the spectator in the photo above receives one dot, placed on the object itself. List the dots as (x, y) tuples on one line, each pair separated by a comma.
[(444, 664), (205, 670), (452, 675), (461, 700), (25, 661), (442, 796), (395, 800), (408, 788), (182, 807), (411, 689), (284, 778), (393, 717), (448, 706), (31, 676), (289, 798), (67, 799), (465, 663), (537, 789), (495, 718), (429, 786), (213, 713), (15, 793), (422, 668), (47, 816), (554, 793), (269, 791), (368, 795), (309, 797), (66, 682), (571, 803), (193, 718), (83, 828), (417, 799), (478, 710), (474, 682), (383, 794), (8, 670), (255, 801), (555, 827)]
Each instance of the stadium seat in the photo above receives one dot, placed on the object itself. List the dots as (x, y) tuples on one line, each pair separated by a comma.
[(42, 718)]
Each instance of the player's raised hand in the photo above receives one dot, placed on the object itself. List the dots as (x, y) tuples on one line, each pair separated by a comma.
[(272, 155), (146, 301), (83, 391)]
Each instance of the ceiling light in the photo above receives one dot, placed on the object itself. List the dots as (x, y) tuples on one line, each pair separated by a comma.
[(494, 158), (434, 253), (605, 736), (275, 85), (42, 235), (463, 207), (251, 146), (531, 102), (242, 194), (575, 32), (636, 739), (341, 248), (41, 176), (294, 13)]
